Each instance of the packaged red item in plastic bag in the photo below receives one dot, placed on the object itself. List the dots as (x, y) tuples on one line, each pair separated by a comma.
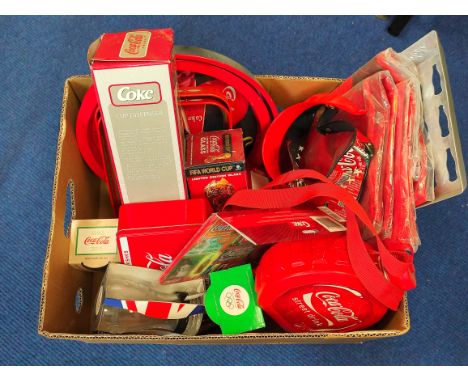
[(336, 139), (422, 167), (371, 95), (401, 69), (388, 183), (404, 229)]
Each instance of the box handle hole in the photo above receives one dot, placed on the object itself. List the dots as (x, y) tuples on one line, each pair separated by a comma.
[(79, 300), (69, 208)]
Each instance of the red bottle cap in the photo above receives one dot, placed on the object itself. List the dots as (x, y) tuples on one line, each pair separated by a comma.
[(308, 286)]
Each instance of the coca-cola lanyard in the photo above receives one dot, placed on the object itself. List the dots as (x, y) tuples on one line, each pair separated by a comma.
[(401, 275)]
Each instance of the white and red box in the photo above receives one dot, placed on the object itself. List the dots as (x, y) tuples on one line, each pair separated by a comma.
[(135, 77), (93, 243), (151, 235)]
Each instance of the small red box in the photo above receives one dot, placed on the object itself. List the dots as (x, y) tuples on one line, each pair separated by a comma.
[(215, 165), (151, 234)]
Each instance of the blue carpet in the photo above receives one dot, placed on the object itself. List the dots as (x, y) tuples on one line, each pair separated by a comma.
[(39, 53)]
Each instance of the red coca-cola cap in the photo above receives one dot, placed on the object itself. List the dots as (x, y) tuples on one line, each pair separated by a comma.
[(309, 286)]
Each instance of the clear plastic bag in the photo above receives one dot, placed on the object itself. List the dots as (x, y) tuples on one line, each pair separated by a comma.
[(371, 95), (402, 68), (388, 183), (404, 231), (409, 176), (422, 169)]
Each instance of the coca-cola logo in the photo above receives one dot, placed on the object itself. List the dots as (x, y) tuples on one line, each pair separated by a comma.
[(96, 240), (332, 303), (135, 44), (234, 300), (348, 162), (161, 261), (230, 93), (126, 94), (330, 308), (144, 93)]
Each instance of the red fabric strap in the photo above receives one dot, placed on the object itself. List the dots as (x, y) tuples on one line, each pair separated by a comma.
[(400, 273)]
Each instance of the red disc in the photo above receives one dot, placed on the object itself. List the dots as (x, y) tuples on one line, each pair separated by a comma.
[(310, 286), (87, 136)]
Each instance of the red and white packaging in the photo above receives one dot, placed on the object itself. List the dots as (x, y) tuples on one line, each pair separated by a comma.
[(215, 165), (150, 235), (228, 239), (135, 77)]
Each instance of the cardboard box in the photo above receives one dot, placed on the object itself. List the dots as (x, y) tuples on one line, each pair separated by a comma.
[(135, 77), (60, 318)]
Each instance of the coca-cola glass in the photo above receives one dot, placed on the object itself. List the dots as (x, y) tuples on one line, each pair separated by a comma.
[(123, 282)]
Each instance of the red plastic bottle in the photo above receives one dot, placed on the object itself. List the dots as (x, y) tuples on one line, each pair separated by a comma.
[(309, 286)]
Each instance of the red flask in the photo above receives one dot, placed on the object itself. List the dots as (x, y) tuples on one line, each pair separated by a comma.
[(310, 286)]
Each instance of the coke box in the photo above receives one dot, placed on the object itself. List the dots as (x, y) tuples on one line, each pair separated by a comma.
[(93, 243), (135, 78), (151, 234)]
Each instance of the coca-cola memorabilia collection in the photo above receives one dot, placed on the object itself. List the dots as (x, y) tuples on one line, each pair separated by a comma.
[(230, 217)]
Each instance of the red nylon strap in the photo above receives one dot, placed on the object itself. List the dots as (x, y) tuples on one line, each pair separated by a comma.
[(366, 270), (401, 273), (291, 176)]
